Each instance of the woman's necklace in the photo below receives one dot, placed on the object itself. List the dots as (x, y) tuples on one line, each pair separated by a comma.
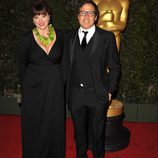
[(45, 40)]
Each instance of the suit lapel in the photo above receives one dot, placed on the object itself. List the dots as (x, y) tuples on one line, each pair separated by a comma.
[(72, 46), (95, 42)]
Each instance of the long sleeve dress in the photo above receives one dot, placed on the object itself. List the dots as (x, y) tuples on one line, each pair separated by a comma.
[(42, 110)]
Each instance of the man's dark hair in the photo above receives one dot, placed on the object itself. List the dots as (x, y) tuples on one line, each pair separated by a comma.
[(82, 3)]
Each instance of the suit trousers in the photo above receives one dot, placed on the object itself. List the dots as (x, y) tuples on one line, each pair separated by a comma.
[(88, 112)]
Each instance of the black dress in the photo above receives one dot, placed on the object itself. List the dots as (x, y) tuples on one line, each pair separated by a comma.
[(42, 110)]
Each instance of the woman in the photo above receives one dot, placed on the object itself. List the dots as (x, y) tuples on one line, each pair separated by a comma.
[(42, 112)]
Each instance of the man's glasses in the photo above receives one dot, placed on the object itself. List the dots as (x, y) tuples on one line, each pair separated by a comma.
[(89, 13)]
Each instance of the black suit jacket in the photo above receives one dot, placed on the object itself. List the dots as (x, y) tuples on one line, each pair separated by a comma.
[(103, 54)]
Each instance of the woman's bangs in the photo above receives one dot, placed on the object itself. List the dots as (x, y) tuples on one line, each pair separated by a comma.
[(40, 12)]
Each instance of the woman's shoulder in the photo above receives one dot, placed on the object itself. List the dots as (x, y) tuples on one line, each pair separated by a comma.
[(58, 31), (69, 33), (26, 38), (59, 34), (65, 32), (27, 35)]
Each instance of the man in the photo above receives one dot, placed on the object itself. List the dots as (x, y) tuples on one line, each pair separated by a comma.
[(89, 52)]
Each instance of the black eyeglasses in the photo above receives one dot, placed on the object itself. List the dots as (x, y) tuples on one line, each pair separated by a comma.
[(89, 13)]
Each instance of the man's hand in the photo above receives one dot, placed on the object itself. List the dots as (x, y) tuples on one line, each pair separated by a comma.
[(110, 95)]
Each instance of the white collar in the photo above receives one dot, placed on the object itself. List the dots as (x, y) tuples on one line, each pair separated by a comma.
[(90, 33), (90, 30)]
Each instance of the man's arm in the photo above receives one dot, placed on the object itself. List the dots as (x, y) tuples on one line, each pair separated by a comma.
[(114, 65)]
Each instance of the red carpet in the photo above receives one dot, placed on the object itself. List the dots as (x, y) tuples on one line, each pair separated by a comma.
[(143, 142)]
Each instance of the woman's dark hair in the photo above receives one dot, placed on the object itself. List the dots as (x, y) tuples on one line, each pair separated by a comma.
[(93, 4), (40, 7)]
